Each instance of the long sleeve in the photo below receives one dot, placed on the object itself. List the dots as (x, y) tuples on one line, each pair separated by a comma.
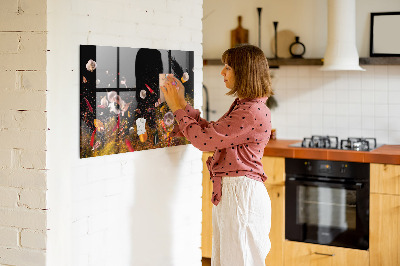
[(193, 113), (231, 130), (238, 140)]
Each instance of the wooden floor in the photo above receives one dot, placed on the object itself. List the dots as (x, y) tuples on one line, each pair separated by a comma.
[(206, 261)]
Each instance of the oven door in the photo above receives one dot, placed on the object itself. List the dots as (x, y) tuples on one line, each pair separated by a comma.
[(327, 213)]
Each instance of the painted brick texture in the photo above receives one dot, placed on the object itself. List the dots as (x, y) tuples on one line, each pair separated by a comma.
[(140, 208), (23, 218), (114, 210)]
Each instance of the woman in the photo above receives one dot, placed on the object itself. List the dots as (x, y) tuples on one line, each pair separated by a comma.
[(242, 211)]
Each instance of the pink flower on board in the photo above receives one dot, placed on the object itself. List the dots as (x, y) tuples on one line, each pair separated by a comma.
[(91, 65)]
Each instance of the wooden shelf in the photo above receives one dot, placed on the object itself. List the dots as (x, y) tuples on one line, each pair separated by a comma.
[(212, 62), (274, 63), (380, 61)]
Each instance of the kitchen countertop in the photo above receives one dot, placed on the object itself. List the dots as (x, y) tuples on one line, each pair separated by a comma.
[(389, 154)]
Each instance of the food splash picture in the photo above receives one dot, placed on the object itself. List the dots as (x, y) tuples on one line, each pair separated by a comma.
[(122, 108)]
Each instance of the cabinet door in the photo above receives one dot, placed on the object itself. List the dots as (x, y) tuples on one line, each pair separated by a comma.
[(206, 232), (277, 233), (304, 254), (384, 230), (274, 168), (385, 178)]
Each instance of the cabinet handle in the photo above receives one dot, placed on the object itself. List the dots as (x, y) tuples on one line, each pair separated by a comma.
[(324, 254)]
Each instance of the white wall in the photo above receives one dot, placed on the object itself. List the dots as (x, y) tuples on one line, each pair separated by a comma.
[(311, 102), (306, 19), (140, 208), (23, 133), (343, 104)]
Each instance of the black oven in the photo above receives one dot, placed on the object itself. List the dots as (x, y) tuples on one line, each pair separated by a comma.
[(327, 202)]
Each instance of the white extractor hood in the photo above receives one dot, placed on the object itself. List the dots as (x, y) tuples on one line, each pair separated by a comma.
[(341, 51)]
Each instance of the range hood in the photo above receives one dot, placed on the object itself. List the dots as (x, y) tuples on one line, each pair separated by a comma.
[(341, 51)]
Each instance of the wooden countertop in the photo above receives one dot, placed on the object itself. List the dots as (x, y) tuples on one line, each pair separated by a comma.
[(389, 154)]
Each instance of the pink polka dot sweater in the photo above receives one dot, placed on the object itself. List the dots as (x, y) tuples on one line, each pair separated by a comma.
[(238, 139)]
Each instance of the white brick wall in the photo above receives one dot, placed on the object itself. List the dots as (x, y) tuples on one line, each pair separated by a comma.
[(9, 237), (23, 132), (34, 239), (9, 197), (140, 208), (24, 256)]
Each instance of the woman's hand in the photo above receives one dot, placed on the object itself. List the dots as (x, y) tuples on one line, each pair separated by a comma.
[(174, 93), (181, 89)]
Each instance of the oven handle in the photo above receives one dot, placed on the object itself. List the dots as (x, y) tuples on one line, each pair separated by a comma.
[(357, 185)]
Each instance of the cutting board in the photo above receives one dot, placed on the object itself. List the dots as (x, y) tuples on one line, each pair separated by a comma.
[(239, 35)]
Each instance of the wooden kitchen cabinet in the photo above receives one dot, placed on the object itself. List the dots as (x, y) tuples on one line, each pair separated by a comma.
[(385, 215), (305, 254), (277, 233), (274, 168), (385, 178), (384, 236), (206, 225)]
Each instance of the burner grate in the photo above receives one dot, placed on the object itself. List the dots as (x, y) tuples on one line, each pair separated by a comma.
[(327, 142), (358, 144), (332, 142)]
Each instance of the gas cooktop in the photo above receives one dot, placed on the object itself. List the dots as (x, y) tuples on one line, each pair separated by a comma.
[(332, 142)]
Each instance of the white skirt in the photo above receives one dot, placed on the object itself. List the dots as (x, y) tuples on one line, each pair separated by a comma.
[(241, 223)]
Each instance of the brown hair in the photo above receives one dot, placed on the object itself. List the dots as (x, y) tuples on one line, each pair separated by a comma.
[(250, 66)]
